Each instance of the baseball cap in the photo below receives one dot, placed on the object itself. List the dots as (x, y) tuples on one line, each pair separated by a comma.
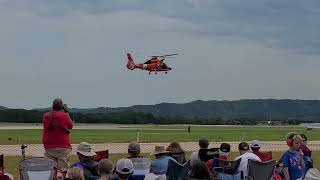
[(134, 147), (255, 144), (225, 147), (85, 149), (243, 146), (124, 166), (57, 101)]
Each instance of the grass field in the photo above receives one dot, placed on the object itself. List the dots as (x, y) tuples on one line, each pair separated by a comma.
[(162, 133), (12, 163)]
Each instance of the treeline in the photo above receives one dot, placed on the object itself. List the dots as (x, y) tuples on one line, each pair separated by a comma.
[(136, 117)]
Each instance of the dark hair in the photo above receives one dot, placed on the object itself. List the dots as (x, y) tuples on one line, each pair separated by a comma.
[(200, 170), (174, 147), (203, 142)]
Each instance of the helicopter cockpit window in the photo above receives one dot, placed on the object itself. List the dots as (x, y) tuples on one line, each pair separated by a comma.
[(148, 62)]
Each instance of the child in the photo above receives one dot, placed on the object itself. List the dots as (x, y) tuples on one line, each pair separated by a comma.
[(293, 159)]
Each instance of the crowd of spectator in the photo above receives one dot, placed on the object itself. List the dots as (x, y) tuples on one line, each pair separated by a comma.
[(202, 164)]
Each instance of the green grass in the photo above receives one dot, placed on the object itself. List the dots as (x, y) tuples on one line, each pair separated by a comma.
[(12, 162), (163, 133)]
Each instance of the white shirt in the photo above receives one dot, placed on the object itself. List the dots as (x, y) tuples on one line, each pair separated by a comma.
[(194, 156), (244, 161)]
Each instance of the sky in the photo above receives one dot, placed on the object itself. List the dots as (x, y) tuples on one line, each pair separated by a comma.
[(228, 50)]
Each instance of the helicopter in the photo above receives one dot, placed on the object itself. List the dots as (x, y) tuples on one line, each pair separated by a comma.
[(154, 64)]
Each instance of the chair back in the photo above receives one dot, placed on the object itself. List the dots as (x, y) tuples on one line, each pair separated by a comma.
[(261, 170), (179, 157), (141, 165), (101, 155), (312, 174), (207, 154), (225, 176), (228, 167), (177, 171), (37, 169)]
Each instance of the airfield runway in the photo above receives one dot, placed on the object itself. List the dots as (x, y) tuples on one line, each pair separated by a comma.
[(37, 149)]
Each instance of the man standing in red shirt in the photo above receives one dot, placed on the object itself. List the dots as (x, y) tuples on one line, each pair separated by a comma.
[(55, 138)]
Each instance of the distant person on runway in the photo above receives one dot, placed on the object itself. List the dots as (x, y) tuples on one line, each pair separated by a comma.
[(56, 130)]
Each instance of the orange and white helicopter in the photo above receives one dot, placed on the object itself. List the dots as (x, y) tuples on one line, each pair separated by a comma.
[(155, 63)]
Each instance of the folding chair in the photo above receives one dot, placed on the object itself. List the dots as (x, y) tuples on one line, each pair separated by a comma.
[(141, 165), (206, 154), (312, 174), (226, 170), (101, 155), (177, 171), (37, 169), (264, 156), (260, 170), (179, 157)]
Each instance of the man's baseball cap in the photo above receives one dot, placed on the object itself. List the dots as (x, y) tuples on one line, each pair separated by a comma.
[(255, 144), (85, 149), (134, 147), (225, 147), (243, 146), (124, 166)]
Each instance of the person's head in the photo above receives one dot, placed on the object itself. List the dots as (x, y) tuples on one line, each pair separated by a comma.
[(105, 166), (159, 151), (224, 149), (200, 170), (75, 173), (134, 149), (203, 143), (57, 104), (85, 151), (255, 145), (293, 140), (174, 147), (304, 139), (124, 168), (243, 147)]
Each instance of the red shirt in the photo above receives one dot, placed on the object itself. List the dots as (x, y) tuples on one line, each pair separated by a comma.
[(58, 136)]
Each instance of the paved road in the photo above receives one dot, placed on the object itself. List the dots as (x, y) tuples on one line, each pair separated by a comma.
[(37, 149)]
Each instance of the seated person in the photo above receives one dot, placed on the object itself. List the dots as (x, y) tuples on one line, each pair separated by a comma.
[(308, 163), (75, 173), (159, 166), (245, 155), (224, 152), (105, 168), (134, 150), (89, 166), (176, 152), (203, 144), (124, 170), (255, 148), (199, 170)]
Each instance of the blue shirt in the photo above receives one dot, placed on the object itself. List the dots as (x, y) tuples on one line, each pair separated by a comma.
[(292, 160), (160, 166)]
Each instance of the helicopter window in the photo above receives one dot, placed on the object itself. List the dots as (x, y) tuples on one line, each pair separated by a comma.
[(148, 62)]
